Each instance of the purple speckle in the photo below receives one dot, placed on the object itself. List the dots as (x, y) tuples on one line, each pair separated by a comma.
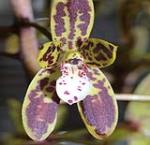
[(66, 93), (90, 75), (74, 8), (70, 101), (43, 83), (75, 98), (85, 18), (59, 28), (47, 57)]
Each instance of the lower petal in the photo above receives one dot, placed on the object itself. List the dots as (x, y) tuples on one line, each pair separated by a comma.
[(99, 109), (39, 111)]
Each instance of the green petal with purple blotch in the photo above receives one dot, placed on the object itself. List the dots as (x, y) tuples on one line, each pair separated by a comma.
[(98, 52), (39, 111), (99, 109), (49, 54), (71, 21)]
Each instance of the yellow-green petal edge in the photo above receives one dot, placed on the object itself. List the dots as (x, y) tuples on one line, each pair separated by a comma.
[(49, 54), (98, 52), (39, 111), (99, 110)]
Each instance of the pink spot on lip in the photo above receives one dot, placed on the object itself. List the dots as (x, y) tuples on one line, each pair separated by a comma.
[(65, 67), (65, 72), (70, 101), (79, 88), (75, 98), (66, 93)]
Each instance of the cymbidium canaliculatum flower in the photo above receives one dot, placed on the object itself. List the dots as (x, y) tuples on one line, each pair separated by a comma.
[(71, 72)]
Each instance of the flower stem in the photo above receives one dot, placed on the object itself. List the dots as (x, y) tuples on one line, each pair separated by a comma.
[(28, 41), (132, 97)]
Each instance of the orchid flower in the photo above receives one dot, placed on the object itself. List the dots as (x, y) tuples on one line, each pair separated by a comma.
[(70, 71)]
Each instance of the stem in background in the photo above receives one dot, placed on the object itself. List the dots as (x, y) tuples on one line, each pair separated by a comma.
[(38, 27), (132, 97), (15, 56), (5, 30), (129, 97), (28, 41)]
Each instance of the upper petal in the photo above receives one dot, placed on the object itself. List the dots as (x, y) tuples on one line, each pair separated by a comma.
[(49, 54), (99, 109), (71, 20), (39, 111), (98, 52)]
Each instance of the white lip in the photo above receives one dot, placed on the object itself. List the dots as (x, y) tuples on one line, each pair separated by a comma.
[(73, 86), (72, 89)]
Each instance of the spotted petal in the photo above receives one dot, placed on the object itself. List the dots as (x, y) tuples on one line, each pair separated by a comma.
[(99, 109), (49, 54), (39, 111), (73, 85), (98, 52), (71, 20)]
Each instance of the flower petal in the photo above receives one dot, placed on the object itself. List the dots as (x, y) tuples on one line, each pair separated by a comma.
[(99, 109), (39, 111), (71, 20), (49, 54), (73, 85), (98, 52)]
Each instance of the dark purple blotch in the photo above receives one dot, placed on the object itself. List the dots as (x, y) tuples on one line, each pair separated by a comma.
[(48, 55), (99, 50), (60, 13), (76, 7)]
